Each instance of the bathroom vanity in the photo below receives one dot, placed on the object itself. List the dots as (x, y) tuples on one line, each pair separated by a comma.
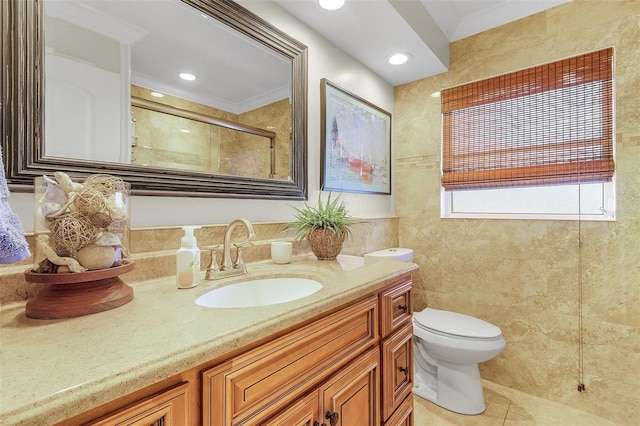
[(341, 356)]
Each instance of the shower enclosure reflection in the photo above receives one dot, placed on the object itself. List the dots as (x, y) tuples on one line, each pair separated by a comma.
[(253, 144)]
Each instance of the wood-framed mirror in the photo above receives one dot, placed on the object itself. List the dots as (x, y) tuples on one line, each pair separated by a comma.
[(24, 120)]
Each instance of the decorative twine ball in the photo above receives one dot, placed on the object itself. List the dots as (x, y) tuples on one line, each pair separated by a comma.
[(106, 184), (89, 201), (70, 232)]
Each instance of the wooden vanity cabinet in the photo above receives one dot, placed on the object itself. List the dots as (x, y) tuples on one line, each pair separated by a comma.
[(350, 367)]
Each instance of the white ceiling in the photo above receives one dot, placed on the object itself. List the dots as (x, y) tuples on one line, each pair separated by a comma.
[(372, 30), (178, 38), (167, 37)]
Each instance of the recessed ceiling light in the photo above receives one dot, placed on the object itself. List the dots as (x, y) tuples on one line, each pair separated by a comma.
[(331, 4), (185, 131), (157, 95), (187, 76), (399, 58)]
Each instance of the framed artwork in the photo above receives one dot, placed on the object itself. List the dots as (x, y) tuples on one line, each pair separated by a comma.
[(355, 140)]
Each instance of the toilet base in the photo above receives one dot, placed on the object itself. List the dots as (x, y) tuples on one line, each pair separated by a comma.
[(458, 388), (446, 365)]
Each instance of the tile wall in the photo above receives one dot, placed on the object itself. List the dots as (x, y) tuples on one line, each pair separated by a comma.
[(525, 275), (153, 250)]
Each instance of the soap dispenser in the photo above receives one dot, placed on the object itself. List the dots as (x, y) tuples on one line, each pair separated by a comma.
[(188, 260)]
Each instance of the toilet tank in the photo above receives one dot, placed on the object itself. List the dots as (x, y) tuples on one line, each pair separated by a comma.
[(398, 253)]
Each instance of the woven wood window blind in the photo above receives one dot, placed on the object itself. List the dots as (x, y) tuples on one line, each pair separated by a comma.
[(546, 125)]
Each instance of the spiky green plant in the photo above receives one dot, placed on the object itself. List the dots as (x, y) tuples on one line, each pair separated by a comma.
[(332, 216)]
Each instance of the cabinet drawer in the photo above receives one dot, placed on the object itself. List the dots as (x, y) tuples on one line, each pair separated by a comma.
[(262, 381), (403, 415), (305, 412), (397, 367), (396, 307), (167, 408)]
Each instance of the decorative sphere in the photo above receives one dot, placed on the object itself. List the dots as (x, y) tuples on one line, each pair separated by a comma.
[(93, 256)]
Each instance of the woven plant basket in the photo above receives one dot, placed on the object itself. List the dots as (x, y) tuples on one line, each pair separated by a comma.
[(326, 245)]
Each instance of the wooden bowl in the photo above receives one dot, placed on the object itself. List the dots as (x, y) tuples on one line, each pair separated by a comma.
[(78, 293)]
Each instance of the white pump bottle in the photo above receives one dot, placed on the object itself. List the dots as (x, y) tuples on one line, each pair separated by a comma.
[(188, 260)]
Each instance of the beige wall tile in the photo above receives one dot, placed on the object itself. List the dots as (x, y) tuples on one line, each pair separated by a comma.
[(153, 250), (529, 277)]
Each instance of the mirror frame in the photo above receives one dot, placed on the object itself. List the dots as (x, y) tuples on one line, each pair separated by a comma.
[(22, 126)]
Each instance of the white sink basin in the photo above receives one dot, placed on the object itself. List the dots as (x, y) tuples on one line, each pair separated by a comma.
[(262, 292)]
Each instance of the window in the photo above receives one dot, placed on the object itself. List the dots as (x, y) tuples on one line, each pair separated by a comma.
[(595, 201), (535, 135)]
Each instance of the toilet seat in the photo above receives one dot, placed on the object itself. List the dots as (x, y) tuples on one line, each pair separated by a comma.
[(455, 325)]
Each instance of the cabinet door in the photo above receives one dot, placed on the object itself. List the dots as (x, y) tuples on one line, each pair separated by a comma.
[(167, 408), (351, 397), (397, 369), (403, 415), (260, 383), (304, 412)]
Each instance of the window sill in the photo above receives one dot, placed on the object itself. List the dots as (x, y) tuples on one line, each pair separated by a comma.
[(573, 217)]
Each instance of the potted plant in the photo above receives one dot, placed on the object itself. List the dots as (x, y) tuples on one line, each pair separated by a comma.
[(324, 226)]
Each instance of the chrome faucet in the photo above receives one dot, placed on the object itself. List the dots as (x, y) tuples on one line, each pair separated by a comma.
[(226, 256), (228, 267)]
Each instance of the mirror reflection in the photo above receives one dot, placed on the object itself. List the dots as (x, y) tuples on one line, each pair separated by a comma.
[(31, 149), (165, 136), (114, 91)]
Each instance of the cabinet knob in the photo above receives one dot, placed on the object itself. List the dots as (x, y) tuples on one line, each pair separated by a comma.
[(332, 417), (403, 307), (405, 370)]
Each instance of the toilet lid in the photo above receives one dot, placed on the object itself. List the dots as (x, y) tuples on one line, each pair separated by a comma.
[(453, 323)]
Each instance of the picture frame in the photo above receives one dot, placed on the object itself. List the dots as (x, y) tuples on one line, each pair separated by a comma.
[(355, 139)]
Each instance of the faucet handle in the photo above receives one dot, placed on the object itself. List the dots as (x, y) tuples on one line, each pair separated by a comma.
[(239, 261), (213, 266)]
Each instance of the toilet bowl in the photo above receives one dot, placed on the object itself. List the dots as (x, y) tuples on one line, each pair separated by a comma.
[(447, 349)]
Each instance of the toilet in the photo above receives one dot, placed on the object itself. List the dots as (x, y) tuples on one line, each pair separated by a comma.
[(447, 349)]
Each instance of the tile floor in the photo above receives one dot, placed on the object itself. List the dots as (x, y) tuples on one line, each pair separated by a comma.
[(506, 406)]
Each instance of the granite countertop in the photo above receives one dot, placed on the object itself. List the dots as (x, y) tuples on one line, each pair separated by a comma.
[(51, 370)]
